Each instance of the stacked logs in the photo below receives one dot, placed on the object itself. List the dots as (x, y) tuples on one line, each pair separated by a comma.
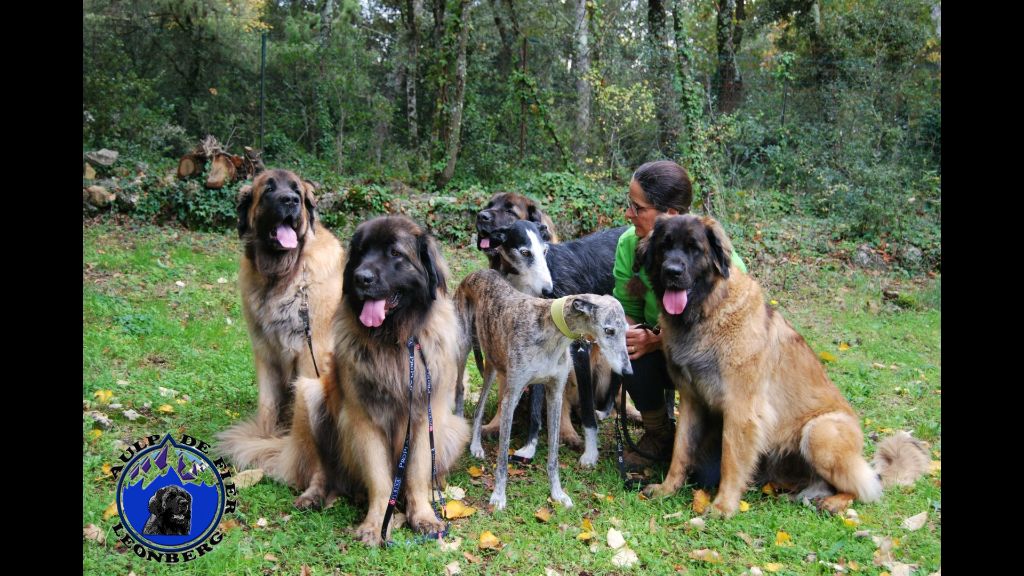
[(224, 167)]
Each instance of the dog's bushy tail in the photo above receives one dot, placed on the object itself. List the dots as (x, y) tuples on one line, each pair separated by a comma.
[(901, 459), (247, 446)]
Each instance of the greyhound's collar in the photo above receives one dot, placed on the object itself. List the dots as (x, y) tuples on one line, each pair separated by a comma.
[(558, 315)]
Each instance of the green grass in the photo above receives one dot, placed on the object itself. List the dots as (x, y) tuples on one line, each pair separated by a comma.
[(142, 331)]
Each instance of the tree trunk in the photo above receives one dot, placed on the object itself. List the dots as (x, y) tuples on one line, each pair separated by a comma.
[(665, 99), (454, 128), (582, 23), (507, 40), (413, 15), (731, 14)]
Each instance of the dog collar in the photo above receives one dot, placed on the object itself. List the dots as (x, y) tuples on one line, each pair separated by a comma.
[(558, 315)]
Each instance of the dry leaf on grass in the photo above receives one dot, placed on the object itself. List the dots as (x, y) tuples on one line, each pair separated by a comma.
[(696, 523), (103, 395), (744, 506), (706, 555), (489, 541), (475, 471), (783, 539), (456, 509), (270, 557), (166, 409), (110, 510), (305, 570), (471, 558), (701, 499), (453, 492), (94, 533), (261, 522), (625, 558), (543, 514), (615, 539), (772, 567), (452, 568), (915, 522), (248, 478)]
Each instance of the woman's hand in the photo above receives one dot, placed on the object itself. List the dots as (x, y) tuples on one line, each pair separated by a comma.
[(640, 341)]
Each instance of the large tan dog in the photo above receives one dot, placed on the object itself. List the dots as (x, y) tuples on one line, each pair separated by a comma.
[(394, 289), (730, 354), (290, 281)]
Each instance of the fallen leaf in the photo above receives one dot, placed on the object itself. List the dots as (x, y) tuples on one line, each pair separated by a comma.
[(826, 357), (551, 572), (103, 395), (783, 539), (696, 523), (625, 558), (773, 567), (228, 525), (110, 511), (755, 571), (901, 569), (305, 570), (248, 478), (475, 471), (270, 557), (222, 280), (453, 492), (916, 521), (543, 514), (181, 400), (179, 284), (456, 509), (584, 536), (615, 539), (843, 346), (883, 556), (935, 467), (166, 409), (262, 523), (862, 534), (706, 555), (94, 533), (447, 546), (851, 522), (131, 414), (651, 526), (587, 525), (470, 558), (452, 568), (95, 434), (489, 540), (744, 506), (701, 499)]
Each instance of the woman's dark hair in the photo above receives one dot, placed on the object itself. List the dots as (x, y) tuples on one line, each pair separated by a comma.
[(666, 185)]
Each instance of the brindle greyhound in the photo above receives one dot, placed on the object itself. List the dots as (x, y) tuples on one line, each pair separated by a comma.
[(525, 340)]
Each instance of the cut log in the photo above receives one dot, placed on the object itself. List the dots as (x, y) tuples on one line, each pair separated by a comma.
[(99, 197), (222, 170), (190, 165)]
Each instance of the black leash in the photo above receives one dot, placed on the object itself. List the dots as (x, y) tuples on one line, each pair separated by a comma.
[(621, 430), (435, 485), (304, 314)]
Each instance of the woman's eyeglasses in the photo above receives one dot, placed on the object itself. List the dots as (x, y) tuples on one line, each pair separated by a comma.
[(636, 208)]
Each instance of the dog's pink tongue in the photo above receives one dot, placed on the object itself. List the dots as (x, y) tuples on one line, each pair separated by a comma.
[(286, 236), (674, 301), (485, 243), (373, 313)]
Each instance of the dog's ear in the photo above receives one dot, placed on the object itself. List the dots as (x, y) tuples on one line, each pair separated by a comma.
[(156, 501), (244, 204), (431, 259), (721, 247), (310, 197), (584, 307), (545, 234)]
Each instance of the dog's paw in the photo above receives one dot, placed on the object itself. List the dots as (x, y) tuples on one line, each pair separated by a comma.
[(589, 459), (425, 522), (498, 501), (527, 452), (571, 440), (477, 451), (369, 533), (722, 508), (562, 498), (658, 491), (308, 501)]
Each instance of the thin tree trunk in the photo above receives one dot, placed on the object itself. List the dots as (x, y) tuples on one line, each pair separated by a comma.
[(582, 23), (413, 12), (731, 14), (665, 107), (454, 131), (507, 39)]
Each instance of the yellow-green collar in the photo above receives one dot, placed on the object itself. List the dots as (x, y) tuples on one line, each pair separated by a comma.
[(558, 315)]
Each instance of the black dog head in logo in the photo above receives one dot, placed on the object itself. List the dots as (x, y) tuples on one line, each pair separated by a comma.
[(170, 512)]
